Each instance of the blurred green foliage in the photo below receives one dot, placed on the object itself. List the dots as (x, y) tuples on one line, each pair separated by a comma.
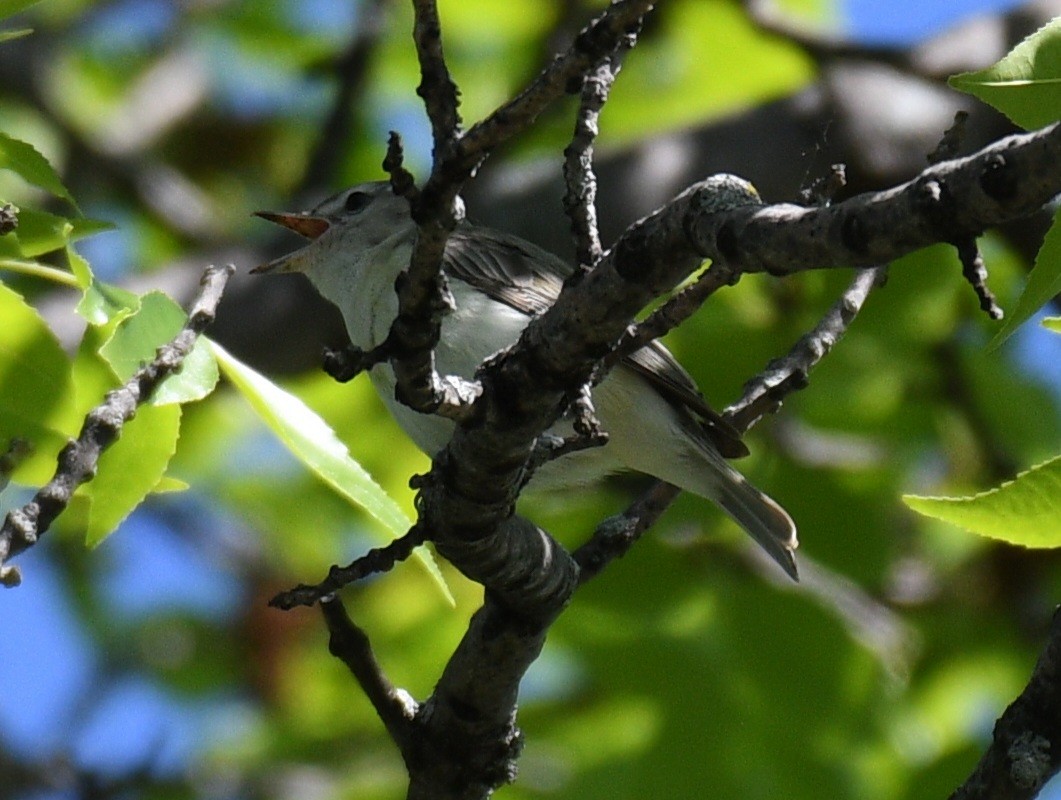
[(687, 669)]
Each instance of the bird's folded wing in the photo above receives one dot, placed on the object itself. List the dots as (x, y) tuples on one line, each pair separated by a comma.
[(528, 279)]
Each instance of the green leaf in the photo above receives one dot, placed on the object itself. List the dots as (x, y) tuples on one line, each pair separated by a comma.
[(81, 269), (25, 161), (39, 232), (1026, 84), (101, 302), (1044, 282), (134, 465), (35, 395), (168, 484), (136, 339), (1052, 324), (707, 59), (315, 444), (1024, 511), (131, 468)]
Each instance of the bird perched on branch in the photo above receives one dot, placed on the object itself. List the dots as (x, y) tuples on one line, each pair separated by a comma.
[(657, 421)]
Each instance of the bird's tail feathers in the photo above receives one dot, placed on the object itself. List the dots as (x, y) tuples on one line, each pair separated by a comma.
[(761, 516)]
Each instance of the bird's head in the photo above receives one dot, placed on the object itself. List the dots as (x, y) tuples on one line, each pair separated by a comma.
[(356, 219)]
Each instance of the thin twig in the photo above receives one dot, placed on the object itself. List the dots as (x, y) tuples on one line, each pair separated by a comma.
[(581, 196), (671, 314), (616, 535), (376, 560), (103, 425), (437, 89), (346, 363), (951, 141), (974, 270), (402, 182), (565, 74), (764, 392), (347, 642)]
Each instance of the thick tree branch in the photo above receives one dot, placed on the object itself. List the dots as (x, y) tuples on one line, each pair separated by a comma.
[(77, 461), (524, 390), (1025, 750), (465, 740), (467, 500), (468, 741), (948, 202)]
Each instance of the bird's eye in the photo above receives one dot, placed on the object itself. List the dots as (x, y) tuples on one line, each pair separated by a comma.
[(355, 201)]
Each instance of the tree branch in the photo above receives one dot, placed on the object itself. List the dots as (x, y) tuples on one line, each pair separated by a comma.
[(77, 461), (616, 535), (782, 376), (349, 644), (468, 742), (948, 202), (375, 561), (1025, 750), (436, 89), (581, 183), (564, 75), (423, 295)]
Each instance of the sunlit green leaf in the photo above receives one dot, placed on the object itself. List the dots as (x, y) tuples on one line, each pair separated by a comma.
[(101, 302), (131, 468), (25, 161), (1044, 283), (1026, 84), (706, 60), (168, 484), (35, 396), (1052, 324), (138, 337), (40, 232), (1024, 511), (315, 444)]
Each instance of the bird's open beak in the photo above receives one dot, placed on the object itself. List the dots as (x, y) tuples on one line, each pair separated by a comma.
[(303, 224)]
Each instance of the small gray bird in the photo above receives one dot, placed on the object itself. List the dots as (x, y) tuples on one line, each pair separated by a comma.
[(658, 422)]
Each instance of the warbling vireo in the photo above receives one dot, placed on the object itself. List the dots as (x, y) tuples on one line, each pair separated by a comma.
[(656, 418)]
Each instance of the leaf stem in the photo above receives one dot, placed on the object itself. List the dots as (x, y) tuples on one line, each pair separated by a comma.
[(40, 271)]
